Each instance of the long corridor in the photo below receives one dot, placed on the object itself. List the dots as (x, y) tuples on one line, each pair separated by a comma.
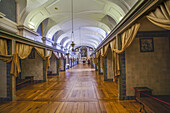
[(78, 90)]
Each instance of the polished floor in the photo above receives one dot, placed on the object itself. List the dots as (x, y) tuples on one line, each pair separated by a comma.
[(78, 90)]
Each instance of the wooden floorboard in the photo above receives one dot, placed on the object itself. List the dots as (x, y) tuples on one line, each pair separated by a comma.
[(78, 90)]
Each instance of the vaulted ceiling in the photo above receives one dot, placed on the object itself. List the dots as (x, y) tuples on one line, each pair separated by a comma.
[(93, 19)]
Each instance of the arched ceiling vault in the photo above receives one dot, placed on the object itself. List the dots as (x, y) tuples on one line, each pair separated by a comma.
[(90, 41), (93, 19)]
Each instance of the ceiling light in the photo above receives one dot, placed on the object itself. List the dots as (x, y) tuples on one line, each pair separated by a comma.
[(72, 33)]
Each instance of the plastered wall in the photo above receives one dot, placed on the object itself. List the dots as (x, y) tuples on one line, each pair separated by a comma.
[(53, 64), (3, 80), (32, 67), (8, 7), (148, 69), (109, 65)]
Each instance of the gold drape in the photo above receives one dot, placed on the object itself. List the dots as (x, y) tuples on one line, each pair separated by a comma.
[(101, 51), (3, 47), (97, 61), (23, 50), (106, 47), (116, 65), (101, 61), (93, 60), (59, 63), (101, 58), (56, 55), (48, 56), (161, 16), (127, 37), (6, 58), (98, 54), (15, 67), (40, 52)]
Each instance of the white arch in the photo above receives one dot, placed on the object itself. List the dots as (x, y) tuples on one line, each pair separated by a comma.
[(36, 16)]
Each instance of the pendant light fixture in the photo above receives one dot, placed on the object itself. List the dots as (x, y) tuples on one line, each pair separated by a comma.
[(72, 33)]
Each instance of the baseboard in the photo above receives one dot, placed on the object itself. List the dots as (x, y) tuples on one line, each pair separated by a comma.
[(53, 74), (128, 98), (5, 99), (100, 73), (38, 81), (108, 79), (62, 70)]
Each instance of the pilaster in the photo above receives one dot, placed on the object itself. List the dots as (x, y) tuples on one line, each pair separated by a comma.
[(45, 79), (11, 80)]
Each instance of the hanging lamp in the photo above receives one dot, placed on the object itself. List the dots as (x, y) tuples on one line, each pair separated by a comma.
[(72, 33)]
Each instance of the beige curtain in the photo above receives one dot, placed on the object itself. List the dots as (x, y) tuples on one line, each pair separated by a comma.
[(15, 67), (3, 47), (106, 49), (101, 61), (161, 16), (101, 58), (23, 50), (40, 51), (97, 61), (98, 54), (48, 56), (116, 67), (127, 38), (59, 63), (56, 54), (101, 51), (93, 60), (48, 53)]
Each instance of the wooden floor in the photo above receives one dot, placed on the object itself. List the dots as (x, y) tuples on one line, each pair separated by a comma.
[(78, 90)]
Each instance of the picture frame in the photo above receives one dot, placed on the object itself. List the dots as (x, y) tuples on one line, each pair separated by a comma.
[(146, 45)]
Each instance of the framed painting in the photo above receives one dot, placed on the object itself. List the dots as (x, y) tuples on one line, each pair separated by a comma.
[(146, 45)]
